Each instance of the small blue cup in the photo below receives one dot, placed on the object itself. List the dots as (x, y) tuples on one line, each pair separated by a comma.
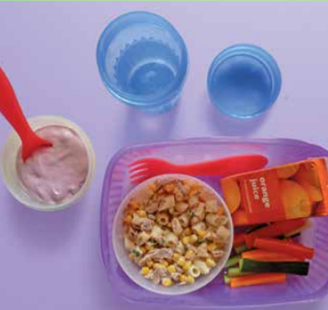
[(143, 61), (243, 81)]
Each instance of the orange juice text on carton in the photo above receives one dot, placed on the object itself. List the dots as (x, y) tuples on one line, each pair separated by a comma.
[(296, 190)]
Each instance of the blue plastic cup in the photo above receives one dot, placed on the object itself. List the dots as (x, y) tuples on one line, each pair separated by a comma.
[(143, 61), (243, 81)]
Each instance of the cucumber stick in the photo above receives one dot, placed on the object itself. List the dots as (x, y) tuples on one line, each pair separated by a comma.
[(299, 268), (240, 249), (226, 279), (234, 272), (232, 261)]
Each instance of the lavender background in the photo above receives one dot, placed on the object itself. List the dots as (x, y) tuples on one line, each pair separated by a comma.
[(52, 261)]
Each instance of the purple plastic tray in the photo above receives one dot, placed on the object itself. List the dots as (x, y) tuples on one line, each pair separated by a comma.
[(216, 294)]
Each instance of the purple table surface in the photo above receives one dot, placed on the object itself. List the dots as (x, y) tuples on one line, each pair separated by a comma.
[(52, 261)]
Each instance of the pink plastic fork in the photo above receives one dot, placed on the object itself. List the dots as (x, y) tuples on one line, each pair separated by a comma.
[(146, 168)]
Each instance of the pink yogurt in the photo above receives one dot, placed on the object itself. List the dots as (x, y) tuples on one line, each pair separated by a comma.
[(55, 174)]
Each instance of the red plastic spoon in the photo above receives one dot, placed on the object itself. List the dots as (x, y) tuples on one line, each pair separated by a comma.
[(12, 111)]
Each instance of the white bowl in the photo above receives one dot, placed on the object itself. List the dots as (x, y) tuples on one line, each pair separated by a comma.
[(133, 270), (9, 169)]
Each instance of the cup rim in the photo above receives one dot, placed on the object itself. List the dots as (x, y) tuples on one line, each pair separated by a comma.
[(263, 57), (34, 203), (168, 93), (192, 287)]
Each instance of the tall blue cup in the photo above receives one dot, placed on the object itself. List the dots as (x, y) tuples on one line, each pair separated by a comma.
[(143, 61)]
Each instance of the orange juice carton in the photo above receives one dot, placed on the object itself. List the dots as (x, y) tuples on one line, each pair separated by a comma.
[(297, 190)]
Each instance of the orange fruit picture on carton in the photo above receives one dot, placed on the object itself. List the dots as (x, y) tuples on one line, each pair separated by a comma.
[(240, 218), (307, 173), (232, 194), (313, 191), (295, 199), (288, 171)]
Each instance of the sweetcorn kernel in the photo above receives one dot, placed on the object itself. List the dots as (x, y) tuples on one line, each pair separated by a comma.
[(190, 280), (192, 193), (149, 247), (190, 254), (194, 189), (201, 233), (183, 278), (169, 188), (176, 256), (128, 219), (186, 266), (193, 239), (211, 247), (165, 263), (153, 187), (167, 282), (141, 213), (134, 205), (142, 206), (210, 262), (130, 211), (220, 211), (150, 264), (187, 231), (145, 271), (181, 261), (171, 269), (185, 240)]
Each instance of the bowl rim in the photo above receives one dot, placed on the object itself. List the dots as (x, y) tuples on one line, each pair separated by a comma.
[(193, 287)]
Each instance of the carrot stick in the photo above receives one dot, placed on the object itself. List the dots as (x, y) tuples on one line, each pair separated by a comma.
[(260, 278), (266, 256), (238, 239), (274, 230), (299, 230), (281, 246)]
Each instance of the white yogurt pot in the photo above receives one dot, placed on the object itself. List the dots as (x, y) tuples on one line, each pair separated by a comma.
[(9, 161), (133, 270)]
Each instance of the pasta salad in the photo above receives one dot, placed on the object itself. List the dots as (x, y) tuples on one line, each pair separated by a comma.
[(176, 230)]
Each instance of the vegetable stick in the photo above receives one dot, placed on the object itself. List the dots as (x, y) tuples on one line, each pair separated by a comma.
[(267, 256), (281, 246), (274, 230), (255, 279)]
